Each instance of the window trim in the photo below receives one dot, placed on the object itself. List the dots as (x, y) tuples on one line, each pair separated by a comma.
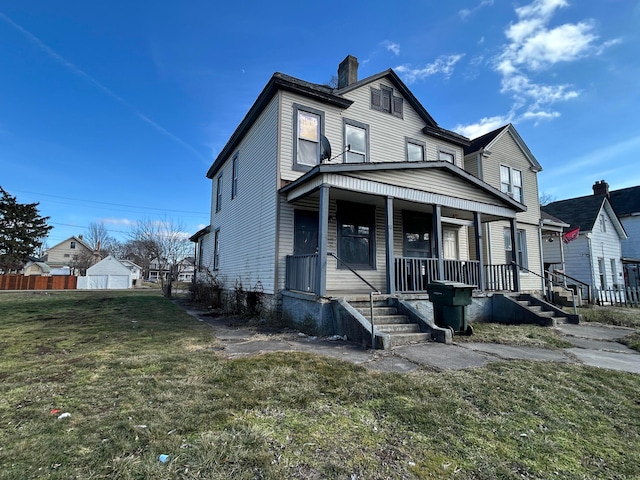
[(219, 193), (234, 176), (216, 249), (510, 190), (418, 143), (521, 236), (302, 108), (355, 124), (358, 210), (447, 151), (394, 109)]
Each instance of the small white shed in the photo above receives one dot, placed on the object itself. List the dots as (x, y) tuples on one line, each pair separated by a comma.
[(107, 274)]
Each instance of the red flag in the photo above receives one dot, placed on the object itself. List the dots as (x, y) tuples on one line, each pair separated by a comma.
[(571, 235)]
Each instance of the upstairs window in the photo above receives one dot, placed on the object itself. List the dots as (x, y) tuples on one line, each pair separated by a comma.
[(415, 150), (356, 138), (234, 177), (511, 182), (73, 245), (445, 156), (308, 131), (219, 193), (383, 100), (603, 224)]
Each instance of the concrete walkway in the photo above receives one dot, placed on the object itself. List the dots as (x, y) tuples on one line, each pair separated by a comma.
[(594, 344)]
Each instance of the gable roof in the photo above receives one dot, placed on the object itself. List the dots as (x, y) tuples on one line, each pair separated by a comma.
[(74, 239), (487, 141), (331, 96), (583, 212), (431, 127), (626, 201)]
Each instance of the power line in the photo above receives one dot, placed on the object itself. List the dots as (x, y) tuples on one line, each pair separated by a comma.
[(111, 204)]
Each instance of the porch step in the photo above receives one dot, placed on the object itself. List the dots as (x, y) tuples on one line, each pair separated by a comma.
[(540, 310), (386, 319)]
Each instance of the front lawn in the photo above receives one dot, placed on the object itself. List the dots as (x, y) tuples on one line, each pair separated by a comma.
[(141, 378)]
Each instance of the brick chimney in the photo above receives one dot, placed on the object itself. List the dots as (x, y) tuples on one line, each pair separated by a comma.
[(601, 188), (348, 71)]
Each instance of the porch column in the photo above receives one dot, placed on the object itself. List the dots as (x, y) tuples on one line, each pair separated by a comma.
[(323, 229), (477, 225), (437, 239), (391, 270), (514, 255)]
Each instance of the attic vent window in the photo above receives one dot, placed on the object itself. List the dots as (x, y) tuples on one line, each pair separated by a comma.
[(383, 100)]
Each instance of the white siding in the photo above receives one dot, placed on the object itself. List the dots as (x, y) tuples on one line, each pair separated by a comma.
[(247, 223), (606, 245), (577, 260)]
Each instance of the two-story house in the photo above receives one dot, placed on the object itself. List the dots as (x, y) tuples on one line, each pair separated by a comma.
[(594, 256), (73, 253), (324, 193), (502, 159)]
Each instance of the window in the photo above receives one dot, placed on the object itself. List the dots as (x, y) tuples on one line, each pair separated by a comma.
[(234, 177), (356, 235), (356, 138), (66, 255), (219, 194), (511, 182), (73, 245), (216, 250), (601, 273), (308, 130), (305, 232), (614, 273), (446, 156), (415, 150), (416, 230), (521, 247), (383, 100), (603, 224)]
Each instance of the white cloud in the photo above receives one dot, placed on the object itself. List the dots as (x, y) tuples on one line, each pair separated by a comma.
[(484, 125), (467, 12), (535, 46), (392, 47), (444, 65), (119, 221)]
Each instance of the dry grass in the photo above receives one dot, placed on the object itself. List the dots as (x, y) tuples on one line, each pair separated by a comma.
[(141, 378)]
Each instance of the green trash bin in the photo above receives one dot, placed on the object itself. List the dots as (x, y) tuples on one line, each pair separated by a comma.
[(449, 301)]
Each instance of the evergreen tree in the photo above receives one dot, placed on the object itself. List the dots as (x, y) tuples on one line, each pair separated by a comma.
[(22, 231)]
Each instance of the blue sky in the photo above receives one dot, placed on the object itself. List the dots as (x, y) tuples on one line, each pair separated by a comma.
[(113, 111)]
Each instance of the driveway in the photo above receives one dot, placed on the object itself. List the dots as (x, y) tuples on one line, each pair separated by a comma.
[(593, 344)]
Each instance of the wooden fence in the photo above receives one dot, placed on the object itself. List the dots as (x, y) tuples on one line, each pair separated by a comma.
[(21, 282), (622, 297)]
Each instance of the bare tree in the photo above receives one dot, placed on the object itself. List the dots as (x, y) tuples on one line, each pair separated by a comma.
[(98, 238), (546, 198), (168, 245)]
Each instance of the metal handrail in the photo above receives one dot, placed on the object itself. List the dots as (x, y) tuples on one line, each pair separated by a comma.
[(575, 280), (573, 296), (374, 291)]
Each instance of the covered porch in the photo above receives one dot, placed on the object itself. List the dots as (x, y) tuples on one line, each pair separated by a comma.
[(393, 228)]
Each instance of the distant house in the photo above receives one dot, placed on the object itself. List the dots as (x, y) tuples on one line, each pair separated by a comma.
[(185, 270), (626, 203), (73, 253), (107, 274), (594, 257), (136, 270)]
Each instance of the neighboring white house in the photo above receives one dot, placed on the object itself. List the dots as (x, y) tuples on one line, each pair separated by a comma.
[(136, 270), (337, 191), (594, 257), (108, 274)]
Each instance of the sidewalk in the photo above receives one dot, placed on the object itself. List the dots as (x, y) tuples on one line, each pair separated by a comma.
[(594, 345)]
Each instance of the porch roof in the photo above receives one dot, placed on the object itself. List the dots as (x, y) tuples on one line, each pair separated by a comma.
[(377, 182)]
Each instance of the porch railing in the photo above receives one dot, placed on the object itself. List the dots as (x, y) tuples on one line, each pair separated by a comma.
[(499, 277), (301, 273), (413, 274)]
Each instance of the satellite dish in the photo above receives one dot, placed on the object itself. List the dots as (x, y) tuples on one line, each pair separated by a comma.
[(325, 148)]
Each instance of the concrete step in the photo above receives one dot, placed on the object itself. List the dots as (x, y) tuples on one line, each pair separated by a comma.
[(394, 328), (408, 338), (388, 319), (366, 311)]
